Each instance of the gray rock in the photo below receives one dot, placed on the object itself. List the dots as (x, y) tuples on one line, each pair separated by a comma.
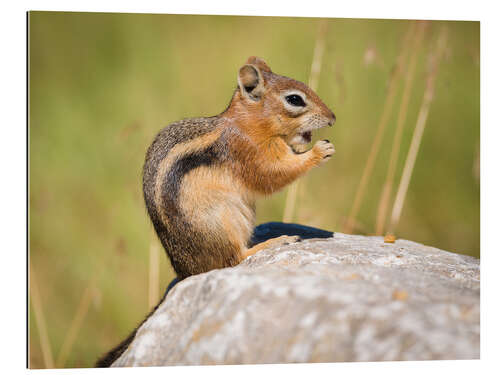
[(347, 298)]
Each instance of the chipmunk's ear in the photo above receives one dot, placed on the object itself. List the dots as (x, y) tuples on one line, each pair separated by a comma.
[(251, 82), (261, 64)]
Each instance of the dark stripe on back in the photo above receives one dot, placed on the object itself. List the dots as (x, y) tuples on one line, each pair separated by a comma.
[(172, 182), (176, 133)]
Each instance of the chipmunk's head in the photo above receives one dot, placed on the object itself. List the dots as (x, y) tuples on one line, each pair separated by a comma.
[(282, 106)]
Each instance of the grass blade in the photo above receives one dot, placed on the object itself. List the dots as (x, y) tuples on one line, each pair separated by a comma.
[(81, 312), (396, 144), (36, 301), (417, 134), (389, 101), (76, 324)]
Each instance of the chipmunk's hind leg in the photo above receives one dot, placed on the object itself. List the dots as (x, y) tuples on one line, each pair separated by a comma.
[(282, 240)]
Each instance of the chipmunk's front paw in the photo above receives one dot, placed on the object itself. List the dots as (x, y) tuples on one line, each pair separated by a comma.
[(277, 241), (324, 150), (285, 240)]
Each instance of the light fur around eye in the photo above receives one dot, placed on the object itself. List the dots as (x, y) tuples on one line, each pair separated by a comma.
[(294, 101)]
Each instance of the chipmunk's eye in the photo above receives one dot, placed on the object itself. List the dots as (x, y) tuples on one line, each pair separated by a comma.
[(295, 100)]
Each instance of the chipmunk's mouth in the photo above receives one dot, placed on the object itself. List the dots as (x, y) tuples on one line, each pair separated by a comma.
[(298, 143), (300, 138), (307, 136)]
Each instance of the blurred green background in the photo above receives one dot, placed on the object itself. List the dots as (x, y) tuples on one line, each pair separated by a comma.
[(102, 86)]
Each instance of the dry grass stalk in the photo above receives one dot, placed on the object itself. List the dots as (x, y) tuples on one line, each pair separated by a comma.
[(88, 294), (291, 199), (40, 320), (81, 313), (389, 101), (418, 133), (76, 324), (319, 48), (396, 145), (154, 271)]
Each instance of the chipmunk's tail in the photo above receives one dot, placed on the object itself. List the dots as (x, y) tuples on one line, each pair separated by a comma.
[(107, 359)]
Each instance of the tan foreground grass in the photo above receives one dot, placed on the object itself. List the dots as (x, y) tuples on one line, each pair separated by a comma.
[(384, 119), (91, 290), (36, 302), (385, 196), (418, 133), (76, 324), (81, 312)]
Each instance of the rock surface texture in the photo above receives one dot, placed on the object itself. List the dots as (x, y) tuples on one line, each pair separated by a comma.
[(346, 298)]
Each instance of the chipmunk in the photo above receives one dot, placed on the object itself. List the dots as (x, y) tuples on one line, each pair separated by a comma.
[(202, 175)]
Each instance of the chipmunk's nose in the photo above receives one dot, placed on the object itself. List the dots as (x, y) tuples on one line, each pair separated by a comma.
[(332, 119)]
